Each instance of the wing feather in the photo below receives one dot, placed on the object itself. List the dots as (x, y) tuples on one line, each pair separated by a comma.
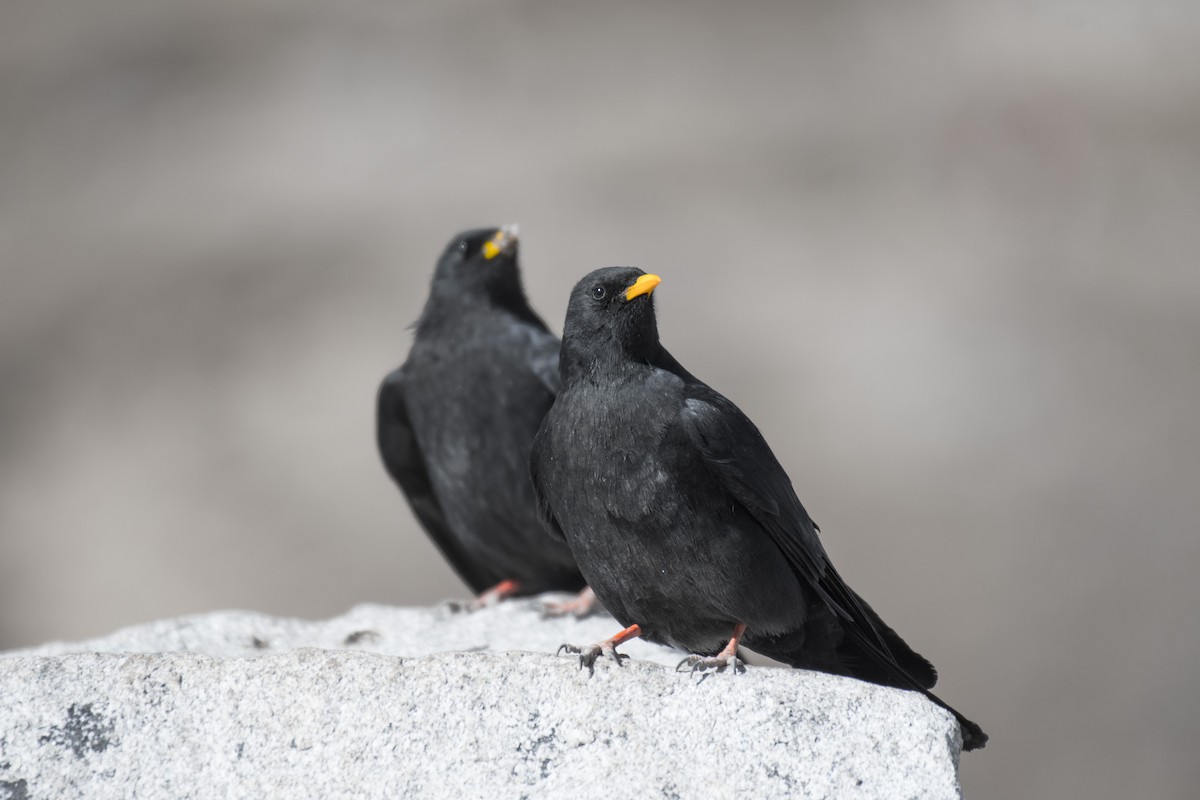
[(742, 460), (545, 513), (402, 457)]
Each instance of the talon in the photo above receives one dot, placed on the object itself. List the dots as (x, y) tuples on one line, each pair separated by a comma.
[(588, 655), (581, 605), (485, 599), (554, 610), (588, 658), (719, 663), (722, 660)]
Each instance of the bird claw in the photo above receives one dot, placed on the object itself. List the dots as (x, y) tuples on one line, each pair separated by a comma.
[(588, 655), (719, 662), (483, 600), (580, 606), (466, 606), (555, 610)]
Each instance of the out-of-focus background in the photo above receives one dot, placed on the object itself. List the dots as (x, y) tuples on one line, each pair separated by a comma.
[(944, 254)]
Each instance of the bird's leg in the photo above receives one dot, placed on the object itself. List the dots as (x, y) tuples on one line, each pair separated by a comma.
[(581, 605), (725, 658), (608, 647), (487, 598), (494, 595)]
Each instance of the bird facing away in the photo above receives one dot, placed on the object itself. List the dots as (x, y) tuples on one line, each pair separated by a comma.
[(456, 421), (680, 517)]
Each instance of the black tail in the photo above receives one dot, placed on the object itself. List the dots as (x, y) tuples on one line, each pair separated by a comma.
[(866, 649), (878, 654), (866, 664), (882, 667)]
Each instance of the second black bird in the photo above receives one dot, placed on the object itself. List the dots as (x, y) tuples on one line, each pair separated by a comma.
[(456, 421), (679, 515)]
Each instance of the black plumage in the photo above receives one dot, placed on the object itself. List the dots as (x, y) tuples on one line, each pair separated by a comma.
[(681, 518), (456, 421)]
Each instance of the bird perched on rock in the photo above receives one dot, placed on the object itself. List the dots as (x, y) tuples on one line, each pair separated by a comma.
[(456, 421), (680, 517)]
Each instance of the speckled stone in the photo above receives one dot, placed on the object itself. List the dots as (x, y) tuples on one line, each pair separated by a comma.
[(412, 702)]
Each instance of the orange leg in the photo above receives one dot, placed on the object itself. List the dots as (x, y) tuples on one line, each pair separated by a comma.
[(608, 647), (726, 658), (487, 598), (581, 605)]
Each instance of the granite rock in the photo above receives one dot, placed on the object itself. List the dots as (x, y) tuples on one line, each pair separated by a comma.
[(417, 702)]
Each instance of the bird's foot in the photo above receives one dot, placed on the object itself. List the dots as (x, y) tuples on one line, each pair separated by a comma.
[(590, 653), (483, 600), (719, 662), (722, 660), (608, 647), (581, 605)]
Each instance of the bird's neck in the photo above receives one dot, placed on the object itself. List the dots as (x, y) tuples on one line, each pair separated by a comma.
[(461, 308), (611, 362)]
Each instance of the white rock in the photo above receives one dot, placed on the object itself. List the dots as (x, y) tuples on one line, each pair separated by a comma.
[(409, 702)]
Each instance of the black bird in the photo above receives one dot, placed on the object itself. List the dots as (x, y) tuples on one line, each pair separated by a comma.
[(456, 421), (680, 517)]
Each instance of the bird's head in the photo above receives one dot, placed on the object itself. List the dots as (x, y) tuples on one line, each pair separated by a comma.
[(481, 264), (611, 316)]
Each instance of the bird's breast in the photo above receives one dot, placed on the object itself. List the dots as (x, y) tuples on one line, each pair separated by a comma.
[(622, 456)]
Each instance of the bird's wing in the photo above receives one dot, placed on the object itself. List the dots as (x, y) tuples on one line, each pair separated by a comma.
[(539, 352), (739, 456), (403, 460), (544, 512), (543, 360)]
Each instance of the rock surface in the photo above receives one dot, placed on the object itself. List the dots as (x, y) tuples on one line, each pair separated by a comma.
[(404, 702)]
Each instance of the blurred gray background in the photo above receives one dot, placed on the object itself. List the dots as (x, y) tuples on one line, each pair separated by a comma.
[(943, 254)]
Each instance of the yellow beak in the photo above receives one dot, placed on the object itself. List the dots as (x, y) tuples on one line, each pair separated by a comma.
[(643, 285), (504, 241)]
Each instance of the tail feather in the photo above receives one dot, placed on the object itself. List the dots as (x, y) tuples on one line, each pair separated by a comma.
[(883, 657), (862, 647), (915, 666), (972, 735)]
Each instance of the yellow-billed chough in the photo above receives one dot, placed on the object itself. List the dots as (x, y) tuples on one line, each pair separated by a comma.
[(456, 421), (680, 517)]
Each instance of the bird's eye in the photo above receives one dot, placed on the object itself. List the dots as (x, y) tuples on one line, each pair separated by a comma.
[(599, 292), (464, 246)]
